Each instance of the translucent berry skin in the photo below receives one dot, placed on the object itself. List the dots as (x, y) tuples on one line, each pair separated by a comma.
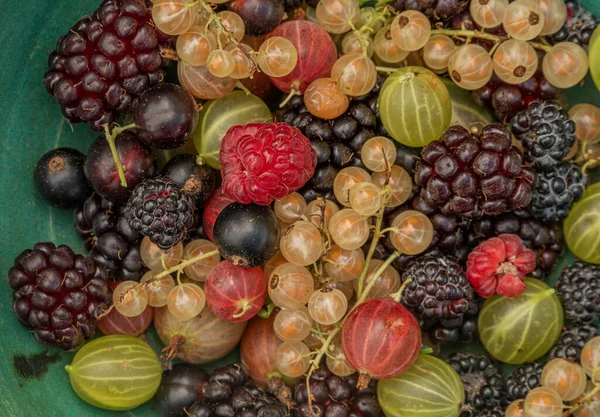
[(234, 293), (201, 83), (470, 175), (116, 323), (383, 329), (137, 159), (316, 54), (515, 61), (323, 99), (565, 65), (262, 162), (105, 62), (470, 66)]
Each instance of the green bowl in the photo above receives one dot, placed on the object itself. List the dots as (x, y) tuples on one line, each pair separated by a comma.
[(34, 382)]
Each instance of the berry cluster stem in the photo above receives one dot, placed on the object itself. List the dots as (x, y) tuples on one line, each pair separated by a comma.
[(177, 268), (213, 17), (111, 136), (583, 401), (470, 34), (377, 234)]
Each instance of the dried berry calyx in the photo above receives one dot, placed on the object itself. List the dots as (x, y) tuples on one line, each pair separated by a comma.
[(499, 266)]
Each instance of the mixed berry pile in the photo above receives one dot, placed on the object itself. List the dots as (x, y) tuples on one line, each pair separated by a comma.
[(352, 221)]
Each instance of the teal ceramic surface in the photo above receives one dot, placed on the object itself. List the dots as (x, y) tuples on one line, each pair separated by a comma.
[(33, 382)]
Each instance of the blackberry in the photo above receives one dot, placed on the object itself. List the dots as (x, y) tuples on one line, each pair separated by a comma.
[(497, 411), (461, 330), (335, 396), (58, 294), (579, 26), (105, 62), (556, 191), (482, 379), (230, 393), (571, 342), (160, 209), (544, 240), (438, 289), (449, 229), (525, 378), (474, 175), (507, 100), (578, 288), (106, 233), (546, 133), (435, 10)]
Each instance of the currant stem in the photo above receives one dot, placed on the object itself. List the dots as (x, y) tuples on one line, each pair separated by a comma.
[(398, 295), (469, 34), (293, 92), (376, 276), (388, 70), (110, 138), (243, 88), (582, 402), (266, 313), (182, 265), (376, 236), (213, 17), (245, 309)]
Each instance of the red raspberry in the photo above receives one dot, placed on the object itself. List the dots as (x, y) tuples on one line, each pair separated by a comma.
[(499, 266), (262, 162)]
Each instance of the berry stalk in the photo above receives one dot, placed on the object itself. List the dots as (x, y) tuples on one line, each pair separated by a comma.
[(176, 268), (110, 138), (213, 17), (469, 34), (377, 234), (584, 400)]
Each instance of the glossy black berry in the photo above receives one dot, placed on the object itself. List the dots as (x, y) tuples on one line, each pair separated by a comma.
[(136, 157), (165, 116), (247, 234), (198, 180), (60, 180), (179, 389), (230, 393)]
